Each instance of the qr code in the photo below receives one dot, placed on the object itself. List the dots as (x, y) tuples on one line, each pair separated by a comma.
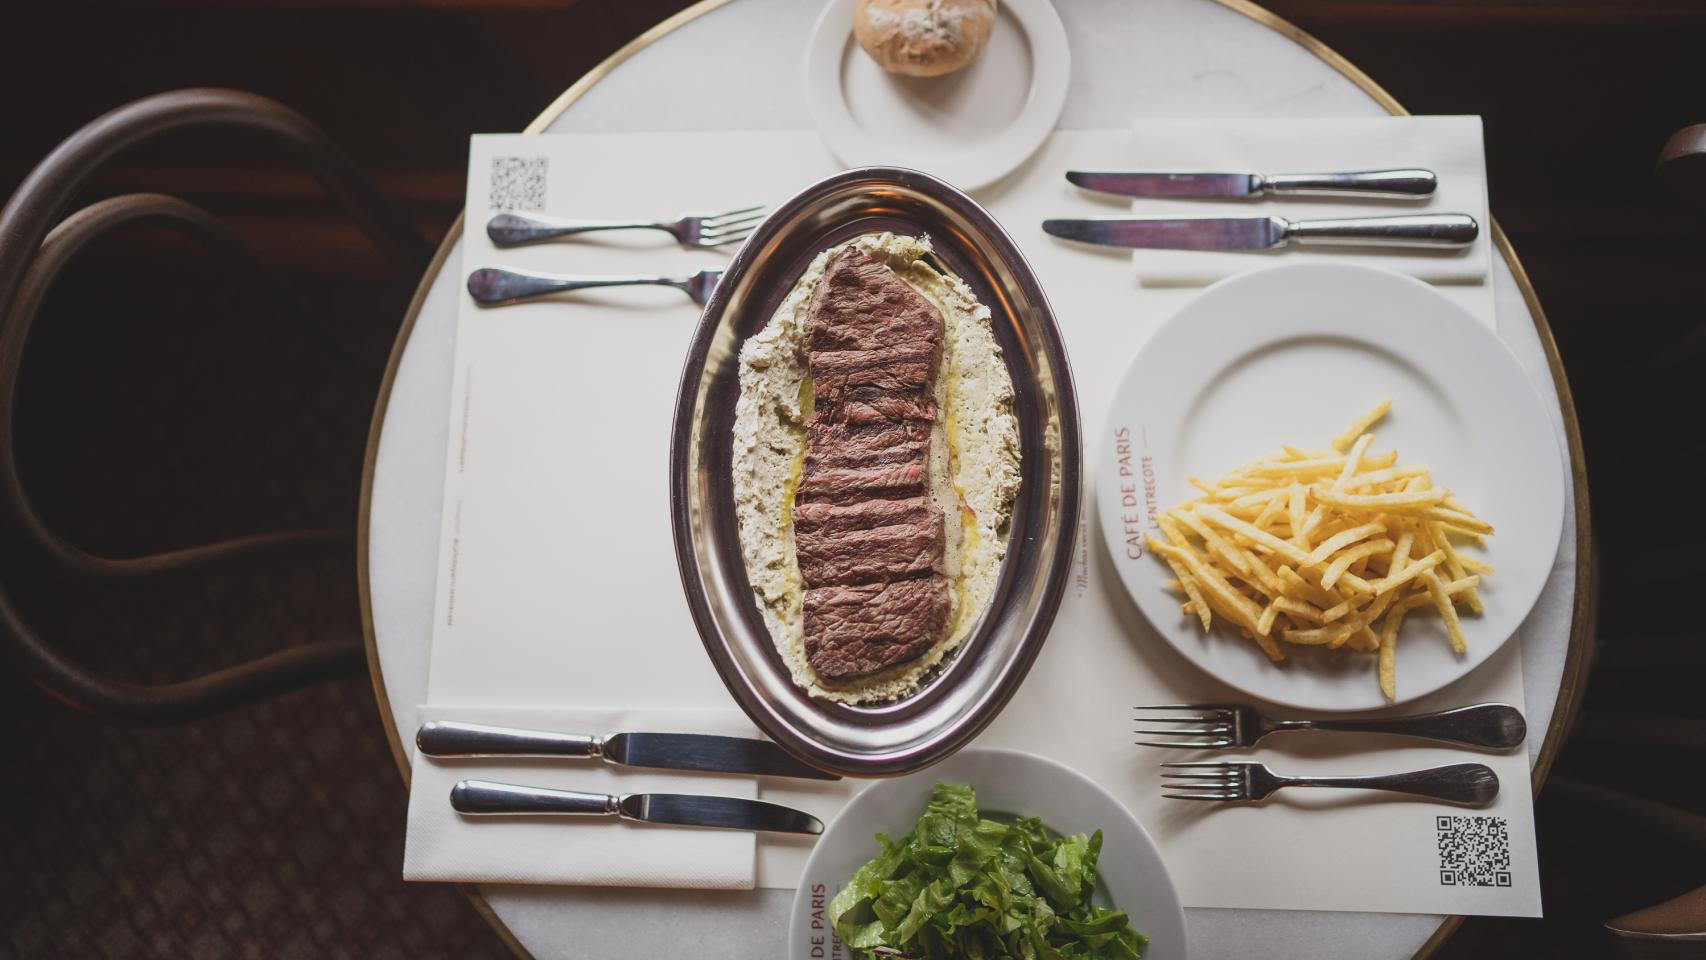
[(518, 183), (1474, 851)]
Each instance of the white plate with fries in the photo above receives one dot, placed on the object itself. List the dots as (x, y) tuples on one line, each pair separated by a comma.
[(1330, 487)]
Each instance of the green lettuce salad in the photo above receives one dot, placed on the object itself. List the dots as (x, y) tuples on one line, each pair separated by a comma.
[(965, 886)]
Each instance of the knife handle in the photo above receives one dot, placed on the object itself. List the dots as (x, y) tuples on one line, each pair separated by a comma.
[(448, 738), (1427, 230), (1409, 184), (485, 798)]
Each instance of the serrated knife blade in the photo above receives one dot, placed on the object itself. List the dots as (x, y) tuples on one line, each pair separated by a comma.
[(1168, 184), (1164, 233), (487, 798), (730, 813), (697, 751)]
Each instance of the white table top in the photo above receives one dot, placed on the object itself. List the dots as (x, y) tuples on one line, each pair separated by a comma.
[(1159, 58)]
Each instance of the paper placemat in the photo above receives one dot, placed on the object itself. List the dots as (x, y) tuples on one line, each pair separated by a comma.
[(557, 574)]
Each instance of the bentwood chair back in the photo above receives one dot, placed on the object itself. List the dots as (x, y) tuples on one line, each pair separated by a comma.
[(37, 241)]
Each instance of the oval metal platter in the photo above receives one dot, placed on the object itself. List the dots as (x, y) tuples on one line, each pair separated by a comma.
[(976, 681)]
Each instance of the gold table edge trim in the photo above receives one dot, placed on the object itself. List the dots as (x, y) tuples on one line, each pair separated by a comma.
[(1582, 613)]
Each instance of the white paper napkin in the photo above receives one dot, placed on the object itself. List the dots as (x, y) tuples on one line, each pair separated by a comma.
[(1449, 146), (596, 851)]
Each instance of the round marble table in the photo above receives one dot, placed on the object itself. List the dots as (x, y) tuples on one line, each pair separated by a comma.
[(1158, 58)]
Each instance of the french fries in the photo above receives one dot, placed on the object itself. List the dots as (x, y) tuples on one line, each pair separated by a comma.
[(1332, 547)]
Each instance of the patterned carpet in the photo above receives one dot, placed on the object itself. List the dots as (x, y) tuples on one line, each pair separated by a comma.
[(276, 831)]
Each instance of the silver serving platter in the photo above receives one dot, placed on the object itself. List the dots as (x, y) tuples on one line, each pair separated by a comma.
[(965, 694)]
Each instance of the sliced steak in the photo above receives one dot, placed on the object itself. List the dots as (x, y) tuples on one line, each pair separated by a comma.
[(835, 444), (830, 519), (850, 384), (853, 631), (875, 405), (860, 304), (883, 481), (867, 537), (869, 542)]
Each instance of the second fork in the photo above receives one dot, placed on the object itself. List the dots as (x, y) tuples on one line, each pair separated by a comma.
[(1470, 784)]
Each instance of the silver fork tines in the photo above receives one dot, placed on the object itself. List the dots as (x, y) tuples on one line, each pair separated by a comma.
[(1470, 784), (1208, 780), (1214, 727), (714, 230)]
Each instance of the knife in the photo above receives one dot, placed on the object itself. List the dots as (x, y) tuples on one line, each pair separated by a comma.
[(482, 798), (1260, 233), (449, 739), (1408, 184)]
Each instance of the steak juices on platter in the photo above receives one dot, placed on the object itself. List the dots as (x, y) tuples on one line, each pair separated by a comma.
[(876, 459)]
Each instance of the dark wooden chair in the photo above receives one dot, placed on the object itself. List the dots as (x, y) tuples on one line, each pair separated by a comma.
[(1676, 927), (37, 241)]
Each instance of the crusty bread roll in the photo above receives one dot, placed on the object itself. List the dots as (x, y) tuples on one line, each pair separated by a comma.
[(923, 38)]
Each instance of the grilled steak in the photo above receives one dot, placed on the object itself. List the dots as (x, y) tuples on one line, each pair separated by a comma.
[(870, 542), (876, 405), (830, 444), (873, 343), (859, 304), (834, 519), (848, 463), (867, 536), (852, 484), (859, 630), (906, 366)]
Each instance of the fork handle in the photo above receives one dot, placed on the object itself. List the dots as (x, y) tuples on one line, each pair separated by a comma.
[(514, 229), (1471, 784), (496, 286), (1497, 726)]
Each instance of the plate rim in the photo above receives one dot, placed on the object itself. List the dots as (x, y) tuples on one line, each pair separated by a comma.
[(1051, 81), (1060, 771), (1489, 336)]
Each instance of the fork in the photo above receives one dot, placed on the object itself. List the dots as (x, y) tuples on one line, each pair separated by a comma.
[(1218, 726), (515, 229), (1470, 784), (495, 286)]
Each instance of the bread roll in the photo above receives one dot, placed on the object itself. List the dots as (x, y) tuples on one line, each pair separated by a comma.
[(923, 38)]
